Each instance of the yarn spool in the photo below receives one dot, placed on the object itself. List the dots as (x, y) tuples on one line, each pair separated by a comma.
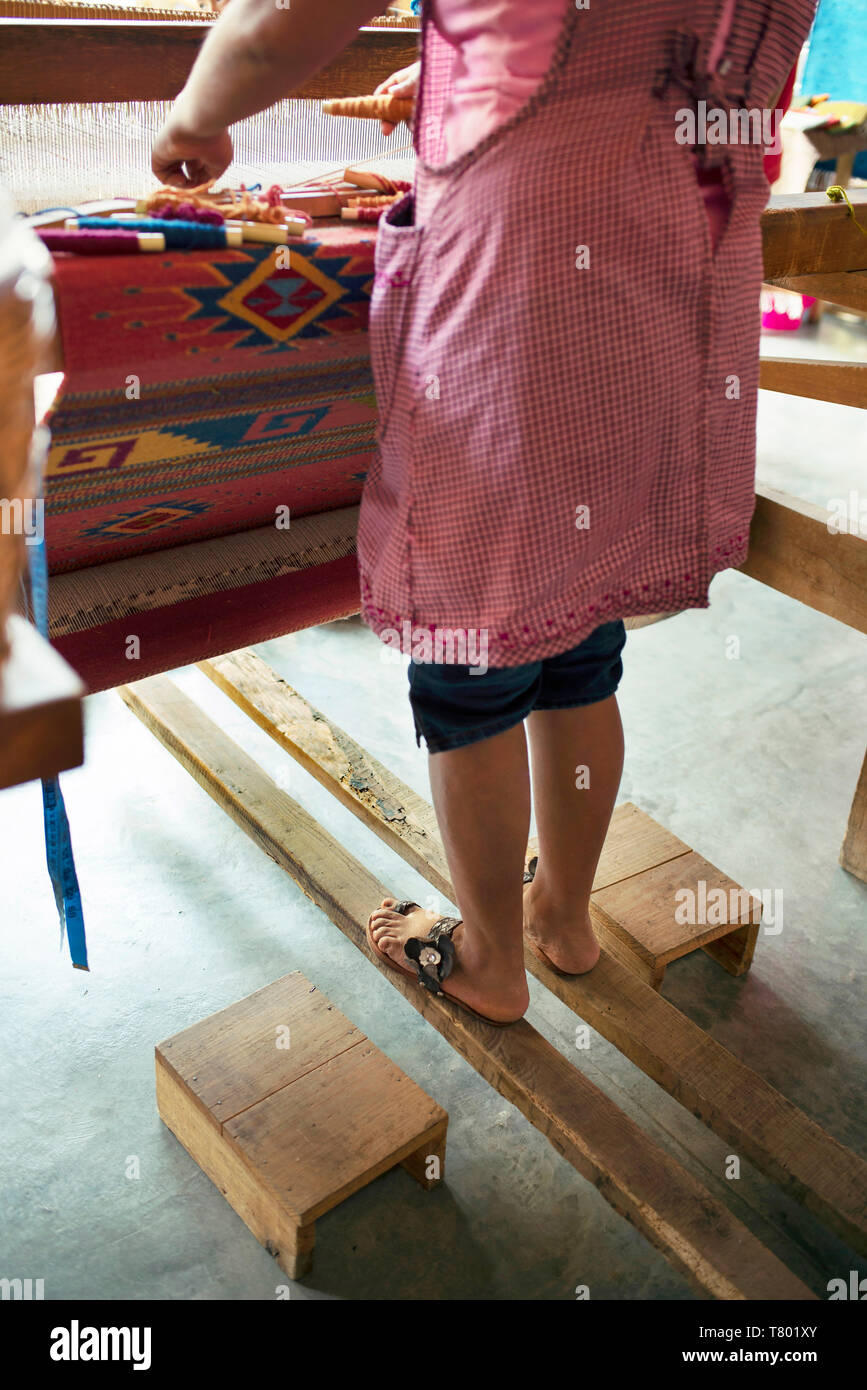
[(361, 214), (381, 108), (184, 236), (100, 243), (377, 183), (26, 331)]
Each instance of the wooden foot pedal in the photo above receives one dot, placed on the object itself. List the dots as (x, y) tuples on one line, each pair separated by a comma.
[(289, 1109), (656, 899)]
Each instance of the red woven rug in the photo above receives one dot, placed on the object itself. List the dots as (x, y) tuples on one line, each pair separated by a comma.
[(206, 390)]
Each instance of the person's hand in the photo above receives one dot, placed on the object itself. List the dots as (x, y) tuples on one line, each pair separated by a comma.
[(181, 159), (401, 84)]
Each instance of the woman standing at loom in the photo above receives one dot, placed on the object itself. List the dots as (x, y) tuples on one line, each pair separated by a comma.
[(566, 368)]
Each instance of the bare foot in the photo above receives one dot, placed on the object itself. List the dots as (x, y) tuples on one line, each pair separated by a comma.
[(569, 943), (487, 982)]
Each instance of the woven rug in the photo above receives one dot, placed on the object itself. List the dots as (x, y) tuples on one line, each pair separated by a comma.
[(208, 392), (194, 601)]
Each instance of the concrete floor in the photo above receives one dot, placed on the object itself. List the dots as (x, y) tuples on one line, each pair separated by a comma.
[(752, 761)]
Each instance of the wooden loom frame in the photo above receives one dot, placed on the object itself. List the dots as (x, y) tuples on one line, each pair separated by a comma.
[(810, 245), (96, 60), (791, 547)]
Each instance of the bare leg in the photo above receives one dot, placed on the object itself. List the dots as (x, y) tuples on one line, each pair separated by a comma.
[(572, 822), (482, 798)]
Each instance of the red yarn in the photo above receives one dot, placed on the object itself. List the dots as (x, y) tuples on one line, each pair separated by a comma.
[(91, 243)]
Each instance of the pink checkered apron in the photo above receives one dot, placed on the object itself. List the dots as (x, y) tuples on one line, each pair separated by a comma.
[(566, 368)]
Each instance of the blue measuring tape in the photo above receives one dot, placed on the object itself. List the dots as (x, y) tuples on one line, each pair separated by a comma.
[(58, 845)]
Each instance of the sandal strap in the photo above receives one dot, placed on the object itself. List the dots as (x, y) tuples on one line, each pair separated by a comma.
[(530, 871), (434, 954)]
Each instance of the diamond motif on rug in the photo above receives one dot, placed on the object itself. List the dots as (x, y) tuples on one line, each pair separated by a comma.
[(147, 519), (282, 302)]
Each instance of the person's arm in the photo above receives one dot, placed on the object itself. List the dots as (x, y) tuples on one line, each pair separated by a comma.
[(255, 55)]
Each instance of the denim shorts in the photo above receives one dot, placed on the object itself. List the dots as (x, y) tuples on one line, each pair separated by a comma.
[(452, 706)]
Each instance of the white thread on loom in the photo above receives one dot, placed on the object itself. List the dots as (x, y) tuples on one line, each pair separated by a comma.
[(55, 155)]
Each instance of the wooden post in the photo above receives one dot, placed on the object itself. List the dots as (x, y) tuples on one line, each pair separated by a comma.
[(853, 855)]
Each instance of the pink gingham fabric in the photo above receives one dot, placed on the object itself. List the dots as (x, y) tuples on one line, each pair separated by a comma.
[(563, 446), (503, 48)]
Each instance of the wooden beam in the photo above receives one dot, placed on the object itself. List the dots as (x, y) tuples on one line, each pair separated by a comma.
[(853, 855), (844, 383), (806, 234), (385, 804), (792, 550), (41, 730), (697, 1233), (93, 60), (846, 288), (734, 1101)]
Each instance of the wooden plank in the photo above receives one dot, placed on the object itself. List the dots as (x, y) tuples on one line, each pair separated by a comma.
[(697, 1234), (617, 942), (635, 842), (387, 806), (806, 234), (734, 1101), (230, 1061), (41, 726), (734, 951), (844, 383), (853, 855), (792, 550), (92, 60), (330, 1133), (648, 908), (731, 1099), (846, 288)]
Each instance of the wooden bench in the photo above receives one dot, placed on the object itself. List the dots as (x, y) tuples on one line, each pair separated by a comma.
[(289, 1109)]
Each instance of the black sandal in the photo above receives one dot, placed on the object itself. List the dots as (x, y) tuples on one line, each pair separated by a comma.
[(433, 956)]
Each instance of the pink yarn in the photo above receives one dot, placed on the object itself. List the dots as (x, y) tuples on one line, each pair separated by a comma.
[(188, 212)]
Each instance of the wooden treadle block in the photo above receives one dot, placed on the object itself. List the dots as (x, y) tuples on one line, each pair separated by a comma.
[(659, 900), (288, 1108), (654, 899)]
